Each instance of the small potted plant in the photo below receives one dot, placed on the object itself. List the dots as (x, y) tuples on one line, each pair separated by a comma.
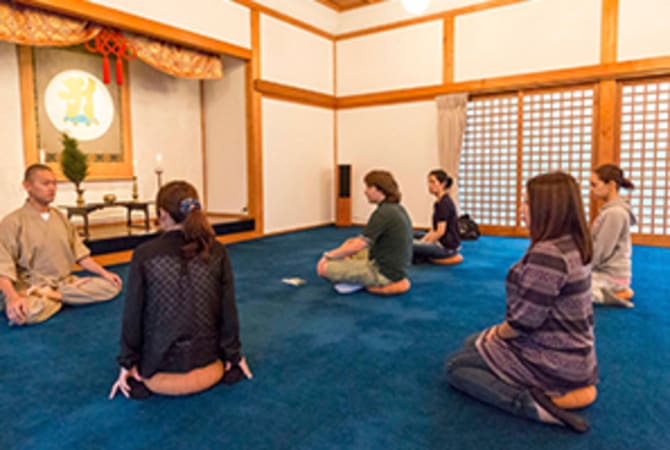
[(74, 164)]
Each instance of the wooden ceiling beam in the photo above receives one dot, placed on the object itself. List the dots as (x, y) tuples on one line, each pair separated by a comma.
[(346, 5)]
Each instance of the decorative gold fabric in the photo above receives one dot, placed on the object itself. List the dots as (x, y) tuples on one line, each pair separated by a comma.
[(176, 60), (26, 25), (32, 26)]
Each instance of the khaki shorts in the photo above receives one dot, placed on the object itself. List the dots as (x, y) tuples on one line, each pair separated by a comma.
[(355, 271)]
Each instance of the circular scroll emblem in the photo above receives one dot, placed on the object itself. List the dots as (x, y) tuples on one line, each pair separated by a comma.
[(79, 104)]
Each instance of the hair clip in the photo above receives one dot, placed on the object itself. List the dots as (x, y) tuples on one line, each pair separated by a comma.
[(187, 205)]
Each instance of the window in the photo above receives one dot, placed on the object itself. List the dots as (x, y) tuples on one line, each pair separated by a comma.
[(488, 168), (558, 135), (644, 157)]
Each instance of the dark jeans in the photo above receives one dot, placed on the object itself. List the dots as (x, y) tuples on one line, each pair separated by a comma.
[(425, 251), (468, 372)]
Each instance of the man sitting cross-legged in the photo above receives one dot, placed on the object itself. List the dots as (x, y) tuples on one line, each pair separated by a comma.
[(38, 248), (381, 254)]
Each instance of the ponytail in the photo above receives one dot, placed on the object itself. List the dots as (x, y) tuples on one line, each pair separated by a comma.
[(627, 184), (199, 235), (612, 172), (442, 176), (180, 200)]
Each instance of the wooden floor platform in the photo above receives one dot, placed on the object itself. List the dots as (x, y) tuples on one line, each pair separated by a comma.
[(116, 237)]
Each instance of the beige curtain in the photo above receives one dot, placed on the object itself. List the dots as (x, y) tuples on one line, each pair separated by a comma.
[(452, 111), (32, 26), (176, 60)]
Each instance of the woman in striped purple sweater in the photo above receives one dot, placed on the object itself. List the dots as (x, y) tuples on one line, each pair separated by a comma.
[(544, 348)]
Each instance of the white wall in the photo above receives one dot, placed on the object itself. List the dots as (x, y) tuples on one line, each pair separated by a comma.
[(401, 58), (643, 29), (293, 56), (219, 19), (226, 139), (12, 162), (527, 37), (310, 12), (165, 115), (391, 11), (298, 165), (399, 138)]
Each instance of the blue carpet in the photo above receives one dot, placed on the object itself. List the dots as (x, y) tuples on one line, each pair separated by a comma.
[(336, 372)]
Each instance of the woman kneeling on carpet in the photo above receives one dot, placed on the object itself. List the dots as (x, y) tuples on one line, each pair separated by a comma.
[(612, 246), (543, 353), (443, 240), (180, 331)]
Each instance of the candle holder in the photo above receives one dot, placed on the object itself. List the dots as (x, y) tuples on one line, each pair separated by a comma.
[(159, 177), (136, 194)]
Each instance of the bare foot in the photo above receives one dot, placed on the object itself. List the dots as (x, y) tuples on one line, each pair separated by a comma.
[(45, 291)]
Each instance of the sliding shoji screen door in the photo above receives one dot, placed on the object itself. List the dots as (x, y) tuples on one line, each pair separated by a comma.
[(558, 134), (643, 142), (488, 168), (511, 138)]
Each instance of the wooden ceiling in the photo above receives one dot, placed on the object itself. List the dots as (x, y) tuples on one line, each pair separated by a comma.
[(344, 5)]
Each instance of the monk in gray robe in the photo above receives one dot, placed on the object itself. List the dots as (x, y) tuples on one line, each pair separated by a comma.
[(38, 248)]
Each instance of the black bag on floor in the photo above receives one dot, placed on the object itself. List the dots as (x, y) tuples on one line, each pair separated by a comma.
[(467, 228)]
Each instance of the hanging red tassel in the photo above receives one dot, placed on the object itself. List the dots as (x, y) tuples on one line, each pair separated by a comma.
[(119, 71), (107, 42), (106, 78)]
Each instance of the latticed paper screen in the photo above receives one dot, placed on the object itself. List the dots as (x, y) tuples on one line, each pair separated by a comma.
[(644, 122), (488, 168), (558, 135)]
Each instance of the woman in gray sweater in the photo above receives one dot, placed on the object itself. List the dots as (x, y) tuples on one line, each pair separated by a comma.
[(612, 248)]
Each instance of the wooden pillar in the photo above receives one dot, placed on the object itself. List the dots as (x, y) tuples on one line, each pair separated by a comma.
[(606, 142), (254, 130)]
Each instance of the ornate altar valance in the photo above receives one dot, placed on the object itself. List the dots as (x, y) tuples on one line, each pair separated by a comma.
[(176, 60), (31, 26), (27, 25)]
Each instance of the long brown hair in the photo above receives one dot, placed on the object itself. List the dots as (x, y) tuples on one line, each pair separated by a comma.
[(612, 172), (384, 182), (180, 200), (556, 209)]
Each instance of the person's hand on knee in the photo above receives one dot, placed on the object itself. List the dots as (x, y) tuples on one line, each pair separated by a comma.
[(16, 309), (112, 278)]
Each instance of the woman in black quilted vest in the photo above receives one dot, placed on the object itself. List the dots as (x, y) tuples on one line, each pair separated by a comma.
[(180, 330)]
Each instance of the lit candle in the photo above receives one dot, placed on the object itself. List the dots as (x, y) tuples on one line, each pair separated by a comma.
[(42, 156), (159, 161)]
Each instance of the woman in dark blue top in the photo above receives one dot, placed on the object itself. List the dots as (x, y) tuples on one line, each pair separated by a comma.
[(443, 240)]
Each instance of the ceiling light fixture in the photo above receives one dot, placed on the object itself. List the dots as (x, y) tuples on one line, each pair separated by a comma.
[(415, 7)]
